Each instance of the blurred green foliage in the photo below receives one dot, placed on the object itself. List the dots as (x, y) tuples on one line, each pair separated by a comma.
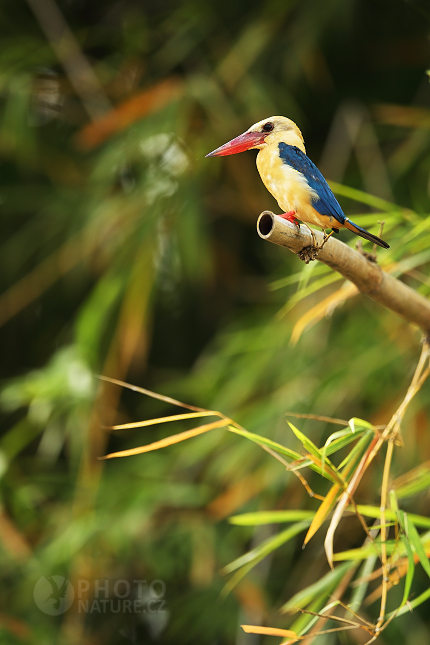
[(125, 252)]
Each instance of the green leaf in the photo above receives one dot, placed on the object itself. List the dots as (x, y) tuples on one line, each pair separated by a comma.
[(411, 569), (415, 540), (374, 512), (412, 604), (360, 590), (307, 443), (364, 552), (356, 423), (414, 482), (339, 440), (393, 502), (414, 487), (357, 450), (363, 198), (266, 547), (322, 587), (304, 622), (298, 277), (310, 289), (263, 441), (249, 560), (270, 517), (316, 452)]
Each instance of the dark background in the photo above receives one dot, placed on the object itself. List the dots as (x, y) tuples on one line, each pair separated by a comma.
[(125, 252)]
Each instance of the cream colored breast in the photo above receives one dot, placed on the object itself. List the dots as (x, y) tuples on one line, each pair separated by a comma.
[(289, 187)]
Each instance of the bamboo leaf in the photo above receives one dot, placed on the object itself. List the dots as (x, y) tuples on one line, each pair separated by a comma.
[(412, 604), (393, 502), (270, 517), (413, 536), (364, 552), (375, 512), (323, 511), (362, 197), (339, 440), (349, 434), (307, 443), (263, 441), (248, 561), (168, 441), (266, 547), (268, 631), (304, 622), (360, 590), (357, 450), (342, 503), (152, 422), (413, 482), (322, 587), (326, 470), (356, 423), (316, 455), (411, 569)]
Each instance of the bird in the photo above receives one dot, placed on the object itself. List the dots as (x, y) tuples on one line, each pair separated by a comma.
[(292, 178)]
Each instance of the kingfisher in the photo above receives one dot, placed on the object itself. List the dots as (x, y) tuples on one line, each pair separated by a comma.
[(292, 178)]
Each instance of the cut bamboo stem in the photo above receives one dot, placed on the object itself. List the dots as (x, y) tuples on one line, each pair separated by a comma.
[(367, 276)]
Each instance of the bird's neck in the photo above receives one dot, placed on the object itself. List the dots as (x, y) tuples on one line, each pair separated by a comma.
[(268, 158), (290, 137)]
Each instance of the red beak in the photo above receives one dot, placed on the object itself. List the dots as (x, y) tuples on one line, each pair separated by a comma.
[(243, 142)]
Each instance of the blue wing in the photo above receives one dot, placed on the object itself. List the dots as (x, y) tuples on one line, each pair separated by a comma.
[(326, 204)]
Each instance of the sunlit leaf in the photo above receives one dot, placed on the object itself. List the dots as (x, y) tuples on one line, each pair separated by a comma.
[(375, 512), (356, 423), (323, 511), (270, 517), (269, 631), (364, 552), (413, 536), (263, 441), (411, 569), (339, 440), (168, 441), (306, 442)]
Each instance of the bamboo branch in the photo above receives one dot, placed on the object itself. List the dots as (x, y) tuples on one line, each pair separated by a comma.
[(367, 276)]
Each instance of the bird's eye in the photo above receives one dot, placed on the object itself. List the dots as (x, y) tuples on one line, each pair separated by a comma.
[(268, 127)]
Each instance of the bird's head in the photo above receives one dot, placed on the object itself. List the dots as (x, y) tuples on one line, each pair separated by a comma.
[(264, 133)]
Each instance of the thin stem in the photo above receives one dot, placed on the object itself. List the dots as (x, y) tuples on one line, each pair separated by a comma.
[(384, 493)]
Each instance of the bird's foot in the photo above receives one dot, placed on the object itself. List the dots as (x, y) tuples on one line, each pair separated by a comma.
[(290, 217), (308, 253), (326, 237)]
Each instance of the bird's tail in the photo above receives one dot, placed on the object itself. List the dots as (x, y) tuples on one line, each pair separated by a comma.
[(355, 228)]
